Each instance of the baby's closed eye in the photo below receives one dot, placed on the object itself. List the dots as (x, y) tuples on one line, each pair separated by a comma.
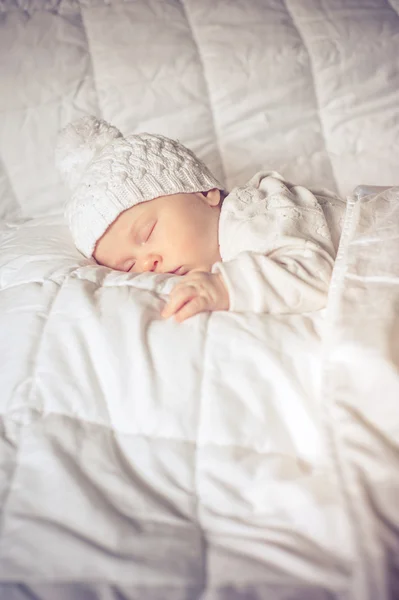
[(128, 265), (145, 232)]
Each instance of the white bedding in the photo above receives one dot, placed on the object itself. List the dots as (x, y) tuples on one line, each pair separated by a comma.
[(231, 457), (141, 450), (307, 88), (230, 452)]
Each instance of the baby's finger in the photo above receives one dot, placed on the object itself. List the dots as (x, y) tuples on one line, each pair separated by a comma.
[(191, 308), (177, 299)]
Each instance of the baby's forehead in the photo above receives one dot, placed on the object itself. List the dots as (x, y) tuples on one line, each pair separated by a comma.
[(129, 215)]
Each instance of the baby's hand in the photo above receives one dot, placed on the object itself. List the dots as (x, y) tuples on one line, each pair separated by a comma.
[(197, 292)]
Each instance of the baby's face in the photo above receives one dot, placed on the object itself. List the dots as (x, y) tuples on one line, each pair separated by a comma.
[(170, 234)]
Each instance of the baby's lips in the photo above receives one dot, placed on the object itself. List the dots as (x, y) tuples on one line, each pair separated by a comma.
[(179, 271)]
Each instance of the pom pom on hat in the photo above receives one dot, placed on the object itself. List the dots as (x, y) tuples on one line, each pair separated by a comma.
[(108, 173), (78, 144)]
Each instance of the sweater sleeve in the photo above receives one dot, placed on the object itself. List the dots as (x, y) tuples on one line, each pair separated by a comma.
[(277, 253), (289, 281)]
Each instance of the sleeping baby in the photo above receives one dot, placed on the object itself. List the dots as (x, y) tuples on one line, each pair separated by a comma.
[(146, 203)]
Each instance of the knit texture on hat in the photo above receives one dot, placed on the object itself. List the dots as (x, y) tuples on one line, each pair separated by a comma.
[(108, 173)]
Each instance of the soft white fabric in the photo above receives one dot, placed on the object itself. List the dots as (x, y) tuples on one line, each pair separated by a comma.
[(237, 455), (138, 437), (107, 173), (144, 458), (276, 245), (310, 89)]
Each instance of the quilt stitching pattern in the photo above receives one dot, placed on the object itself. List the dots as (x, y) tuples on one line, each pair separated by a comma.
[(39, 344), (394, 5), (90, 53), (9, 184), (291, 13), (335, 444), (205, 554), (207, 85), (8, 494)]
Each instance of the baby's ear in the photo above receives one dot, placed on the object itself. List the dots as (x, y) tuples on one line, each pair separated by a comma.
[(213, 197)]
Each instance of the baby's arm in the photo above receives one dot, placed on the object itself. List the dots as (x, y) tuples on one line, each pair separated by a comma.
[(277, 254), (282, 283), (292, 279)]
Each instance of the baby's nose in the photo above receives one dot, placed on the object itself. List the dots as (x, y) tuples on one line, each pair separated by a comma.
[(152, 263)]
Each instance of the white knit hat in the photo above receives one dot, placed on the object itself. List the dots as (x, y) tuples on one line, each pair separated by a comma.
[(108, 173)]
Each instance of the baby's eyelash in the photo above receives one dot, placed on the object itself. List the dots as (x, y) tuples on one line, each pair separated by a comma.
[(147, 232), (151, 230), (128, 266)]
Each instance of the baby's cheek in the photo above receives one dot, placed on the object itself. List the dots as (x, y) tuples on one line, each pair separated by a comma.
[(190, 245)]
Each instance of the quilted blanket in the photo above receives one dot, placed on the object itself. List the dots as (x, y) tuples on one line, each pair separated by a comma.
[(231, 457), (307, 88)]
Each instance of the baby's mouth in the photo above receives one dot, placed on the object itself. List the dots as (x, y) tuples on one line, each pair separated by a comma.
[(179, 271)]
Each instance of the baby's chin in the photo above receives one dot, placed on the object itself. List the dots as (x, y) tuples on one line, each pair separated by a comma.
[(206, 266)]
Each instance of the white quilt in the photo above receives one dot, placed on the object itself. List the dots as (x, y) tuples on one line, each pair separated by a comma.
[(309, 88), (229, 452), (232, 457)]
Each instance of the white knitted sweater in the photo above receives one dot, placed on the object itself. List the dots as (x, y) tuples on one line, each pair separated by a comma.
[(278, 243)]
